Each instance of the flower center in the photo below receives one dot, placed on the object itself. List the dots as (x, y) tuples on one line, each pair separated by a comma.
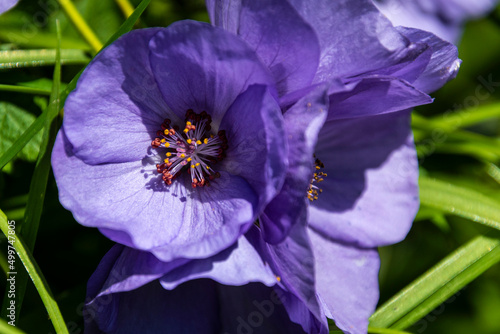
[(318, 176), (195, 148)]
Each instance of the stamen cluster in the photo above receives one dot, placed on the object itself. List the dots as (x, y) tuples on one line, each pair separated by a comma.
[(195, 147), (314, 191)]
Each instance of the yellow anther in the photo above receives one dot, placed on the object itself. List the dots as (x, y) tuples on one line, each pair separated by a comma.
[(318, 167), (197, 164), (198, 142), (168, 154), (166, 161), (205, 140), (189, 141), (183, 155), (188, 123), (186, 130), (163, 140), (166, 132), (189, 159), (192, 166), (208, 167), (167, 144), (278, 278)]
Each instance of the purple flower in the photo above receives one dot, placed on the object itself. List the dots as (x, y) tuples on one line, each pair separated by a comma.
[(364, 193), (5, 5), (172, 141), (133, 292), (445, 18)]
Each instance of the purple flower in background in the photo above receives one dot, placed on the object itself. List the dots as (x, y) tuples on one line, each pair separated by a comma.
[(5, 5), (445, 18), (172, 142), (364, 193)]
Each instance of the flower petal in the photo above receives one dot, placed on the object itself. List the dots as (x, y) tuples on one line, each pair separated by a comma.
[(131, 205), (444, 63), (374, 95), (238, 265), (346, 281), (285, 43), (293, 262), (370, 195), (302, 124), (116, 108), (257, 149), (354, 37), (5, 5), (200, 67)]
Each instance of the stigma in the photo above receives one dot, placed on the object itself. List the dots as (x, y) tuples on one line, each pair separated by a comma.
[(313, 191), (194, 149)]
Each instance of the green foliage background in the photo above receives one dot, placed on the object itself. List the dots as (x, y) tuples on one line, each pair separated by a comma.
[(458, 141)]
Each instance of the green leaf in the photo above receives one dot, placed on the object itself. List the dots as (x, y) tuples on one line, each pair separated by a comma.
[(5, 328), (44, 57), (36, 276), (24, 139), (460, 201), (13, 122), (438, 284)]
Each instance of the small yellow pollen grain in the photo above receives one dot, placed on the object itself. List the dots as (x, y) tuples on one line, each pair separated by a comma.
[(168, 154), (189, 141), (198, 142), (278, 278), (183, 155), (205, 140), (317, 167), (208, 167), (309, 104)]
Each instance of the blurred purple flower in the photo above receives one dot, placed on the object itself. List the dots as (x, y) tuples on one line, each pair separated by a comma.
[(445, 18), (172, 141), (5, 5), (364, 193)]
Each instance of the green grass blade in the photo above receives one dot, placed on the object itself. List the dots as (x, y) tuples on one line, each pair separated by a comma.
[(467, 117), (459, 201), (37, 278), (44, 57), (438, 284), (81, 26), (5, 328), (375, 330), (39, 40), (23, 89), (38, 185)]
